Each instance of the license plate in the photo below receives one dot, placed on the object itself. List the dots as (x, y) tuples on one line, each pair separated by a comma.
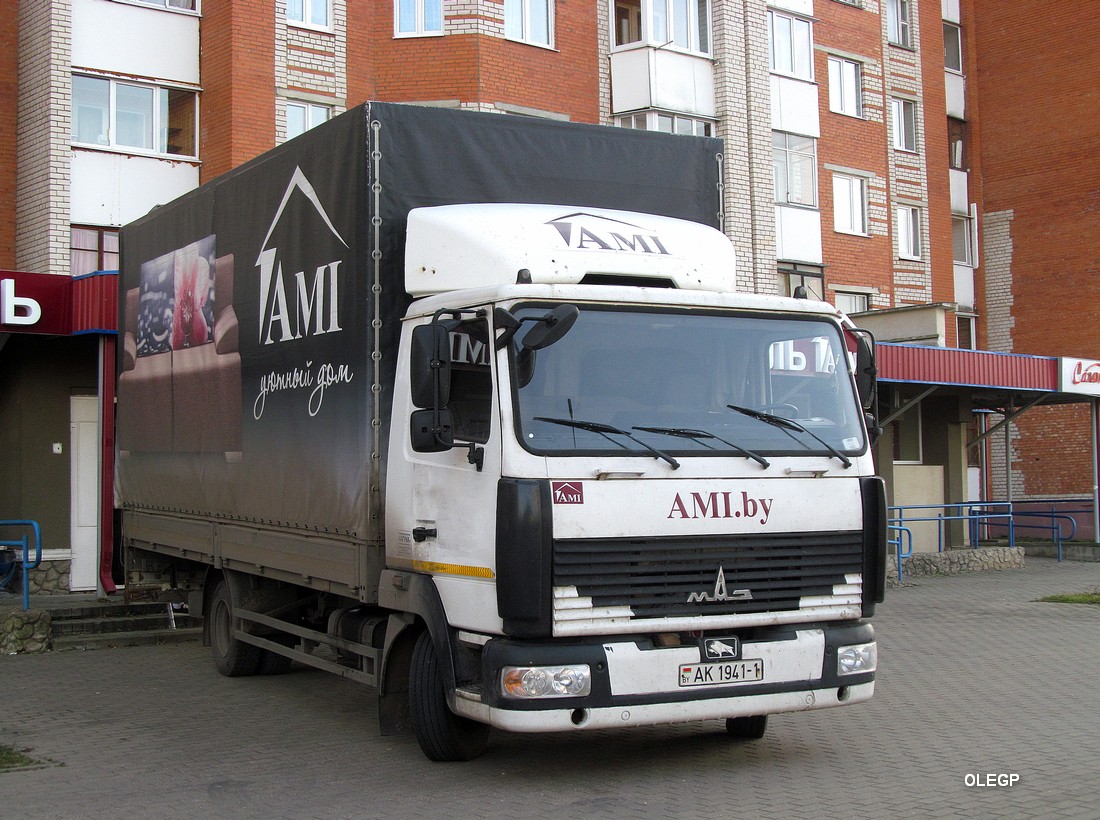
[(722, 673)]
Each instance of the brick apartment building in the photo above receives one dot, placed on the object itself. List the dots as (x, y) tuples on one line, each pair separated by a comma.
[(915, 162)]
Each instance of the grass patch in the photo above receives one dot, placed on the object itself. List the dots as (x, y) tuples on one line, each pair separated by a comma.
[(1074, 598), (14, 759)]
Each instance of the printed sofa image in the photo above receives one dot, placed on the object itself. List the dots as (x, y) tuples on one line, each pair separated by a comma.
[(180, 377)]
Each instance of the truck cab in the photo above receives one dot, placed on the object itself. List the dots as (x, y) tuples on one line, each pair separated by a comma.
[(629, 494)]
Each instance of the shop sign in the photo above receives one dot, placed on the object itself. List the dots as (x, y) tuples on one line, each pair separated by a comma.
[(1079, 376), (35, 303)]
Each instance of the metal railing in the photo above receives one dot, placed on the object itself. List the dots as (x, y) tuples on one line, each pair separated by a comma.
[(976, 514), (24, 544), (903, 543), (986, 521)]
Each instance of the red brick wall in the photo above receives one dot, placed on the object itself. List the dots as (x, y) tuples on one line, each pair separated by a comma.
[(1036, 82), (236, 66), (934, 105), (1035, 87), (476, 69), (850, 142), (9, 103)]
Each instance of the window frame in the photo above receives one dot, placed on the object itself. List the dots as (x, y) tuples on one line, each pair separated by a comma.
[(967, 235), (420, 15), (103, 254), (787, 152), (855, 198), (840, 294), (911, 424), (801, 65), (192, 6), (307, 14), (655, 19), (309, 108), (903, 121), (956, 39), (524, 35), (908, 220), (653, 120), (838, 98), (159, 115), (899, 23)]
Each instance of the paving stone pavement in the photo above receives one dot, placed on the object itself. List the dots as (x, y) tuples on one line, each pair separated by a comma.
[(977, 680)]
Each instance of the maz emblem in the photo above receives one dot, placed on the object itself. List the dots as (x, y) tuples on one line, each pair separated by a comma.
[(720, 593)]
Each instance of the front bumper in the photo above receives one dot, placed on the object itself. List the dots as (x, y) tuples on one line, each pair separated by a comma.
[(636, 682)]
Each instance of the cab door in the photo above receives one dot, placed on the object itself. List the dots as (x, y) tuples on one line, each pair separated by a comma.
[(441, 506)]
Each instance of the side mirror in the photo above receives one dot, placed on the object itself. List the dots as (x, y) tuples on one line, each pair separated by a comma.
[(430, 359), (428, 435), (866, 370), (550, 327)]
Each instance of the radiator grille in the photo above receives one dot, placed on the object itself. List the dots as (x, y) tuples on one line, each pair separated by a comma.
[(613, 580)]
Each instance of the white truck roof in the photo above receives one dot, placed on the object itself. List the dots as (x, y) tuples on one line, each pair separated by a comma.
[(456, 247)]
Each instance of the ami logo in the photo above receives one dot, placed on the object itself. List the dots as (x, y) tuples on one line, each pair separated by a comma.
[(567, 492), (582, 231), (298, 303)]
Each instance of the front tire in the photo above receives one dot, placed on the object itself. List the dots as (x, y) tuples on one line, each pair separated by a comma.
[(233, 658), (443, 736)]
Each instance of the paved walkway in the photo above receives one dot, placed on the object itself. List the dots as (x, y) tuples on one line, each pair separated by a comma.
[(979, 684)]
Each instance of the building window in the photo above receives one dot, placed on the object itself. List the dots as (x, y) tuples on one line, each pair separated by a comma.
[(418, 17), (185, 5), (628, 22), (811, 278), (898, 23), (791, 45), (845, 86), (92, 249), (952, 47), (681, 23), (531, 21), (308, 12), (962, 246), (904, 119), (966, 338), (300, 117), (132, 117), (908, 221), (907, 436), (667, 123), (794, 162), (956, 144), (850, 204), (852, 302)]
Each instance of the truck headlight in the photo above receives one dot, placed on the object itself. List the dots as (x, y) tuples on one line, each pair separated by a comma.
[(857, 659), (546, 681)]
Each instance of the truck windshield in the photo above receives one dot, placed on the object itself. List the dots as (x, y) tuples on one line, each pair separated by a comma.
[(679, 383)]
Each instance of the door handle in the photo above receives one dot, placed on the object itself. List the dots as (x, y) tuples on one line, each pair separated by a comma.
[(423, 533)]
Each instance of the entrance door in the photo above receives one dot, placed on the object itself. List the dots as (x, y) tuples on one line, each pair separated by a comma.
[(84, 494)]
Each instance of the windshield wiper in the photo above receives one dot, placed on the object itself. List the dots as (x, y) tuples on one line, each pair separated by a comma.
[(702, 436), (786, 425), (606, 430)]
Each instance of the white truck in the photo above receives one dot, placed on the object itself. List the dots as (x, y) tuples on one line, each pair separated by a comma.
[(466, 407)]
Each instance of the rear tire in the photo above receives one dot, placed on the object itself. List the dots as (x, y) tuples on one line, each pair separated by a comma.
[(747, 728), (443, 736), (232, 657)]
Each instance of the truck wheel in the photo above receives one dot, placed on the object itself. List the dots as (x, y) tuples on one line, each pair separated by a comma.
[(747, 728), (443, 736), (233, 658)]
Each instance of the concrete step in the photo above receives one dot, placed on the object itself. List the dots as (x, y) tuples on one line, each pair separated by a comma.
[(107, 640), (121, 623), (98, 625)]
